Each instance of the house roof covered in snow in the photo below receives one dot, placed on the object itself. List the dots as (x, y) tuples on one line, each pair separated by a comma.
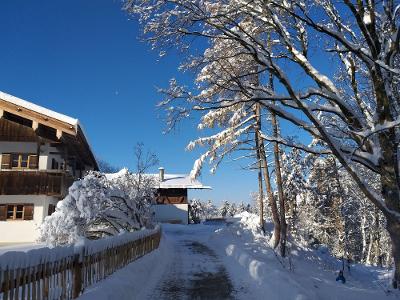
[(171, 181), (180, 181), (45, 124), (20, 103)]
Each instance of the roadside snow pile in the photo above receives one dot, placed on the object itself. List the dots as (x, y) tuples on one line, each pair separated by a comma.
[(305, 274), (98, 206), (248, 222)]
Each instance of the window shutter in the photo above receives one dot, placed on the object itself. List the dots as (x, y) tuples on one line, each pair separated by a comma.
[(6, 161), (28, 212), (3, 212), (33, 161)]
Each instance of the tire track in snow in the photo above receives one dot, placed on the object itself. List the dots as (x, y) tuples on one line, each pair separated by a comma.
[(195, 272)]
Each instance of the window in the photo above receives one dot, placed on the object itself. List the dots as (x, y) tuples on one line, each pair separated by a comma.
[(9, 212), (15, 160), (51, 209), (54, 164), (19, 161)]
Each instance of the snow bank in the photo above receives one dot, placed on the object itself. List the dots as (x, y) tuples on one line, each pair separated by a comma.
[(309, 274), (233, 239)]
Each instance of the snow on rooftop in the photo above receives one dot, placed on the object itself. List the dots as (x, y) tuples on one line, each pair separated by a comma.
[(173, 181), (39, 109), (112, 176)]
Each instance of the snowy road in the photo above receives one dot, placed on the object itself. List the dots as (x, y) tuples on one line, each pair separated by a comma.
[(184, 267), (195, 271), (220, 262)]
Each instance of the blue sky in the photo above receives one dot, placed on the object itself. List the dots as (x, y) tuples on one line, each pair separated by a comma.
[(83, 58)]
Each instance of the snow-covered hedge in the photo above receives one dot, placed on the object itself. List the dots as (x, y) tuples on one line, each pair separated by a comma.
[(100, 205)]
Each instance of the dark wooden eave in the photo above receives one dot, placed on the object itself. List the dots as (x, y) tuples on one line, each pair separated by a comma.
[(14, 132), (77, 146), (74, 141), (37, 117)]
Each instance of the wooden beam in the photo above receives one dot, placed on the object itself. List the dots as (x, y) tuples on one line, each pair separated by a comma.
[(59, 133), (37, 117), (1, 113), (35, 125)]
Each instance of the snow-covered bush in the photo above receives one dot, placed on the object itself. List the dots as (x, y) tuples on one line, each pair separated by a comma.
[(196, 208), (199, 210), (100, 205)]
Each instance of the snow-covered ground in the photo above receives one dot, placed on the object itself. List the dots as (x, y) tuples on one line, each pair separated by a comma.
[(183, 267), (234, 261), (309, 274)]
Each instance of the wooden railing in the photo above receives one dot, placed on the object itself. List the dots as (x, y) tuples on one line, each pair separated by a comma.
[(35, 183), (65, 272)]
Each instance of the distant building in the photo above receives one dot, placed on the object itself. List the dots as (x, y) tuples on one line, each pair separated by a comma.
[(41, 153), (172, 197)]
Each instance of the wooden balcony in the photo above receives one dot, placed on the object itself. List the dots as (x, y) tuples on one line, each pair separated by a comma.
[(35, 183), (172, 196)]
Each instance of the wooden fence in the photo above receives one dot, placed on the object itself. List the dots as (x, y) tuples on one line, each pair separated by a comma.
[(66, 275)]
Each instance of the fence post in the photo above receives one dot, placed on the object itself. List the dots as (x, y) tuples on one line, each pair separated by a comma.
[(77, 276), (6, 284)]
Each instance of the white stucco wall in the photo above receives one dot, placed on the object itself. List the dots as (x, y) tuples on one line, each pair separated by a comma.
[(47, 153), (50, 153), (171, 213), (20, 231)]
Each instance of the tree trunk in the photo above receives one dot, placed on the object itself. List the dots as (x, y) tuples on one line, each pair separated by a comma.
[(281, 196), (394, 233), (364, 236), (293, 215), (261, 196), (267, 179), (271, 198), (378, 256), (259, 163), (390, 193), (339, 219), (281, 220), (389, 165), (368, 260)]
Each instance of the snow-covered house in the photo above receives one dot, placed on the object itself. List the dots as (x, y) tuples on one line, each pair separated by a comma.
[(41, 153), (172, 197)]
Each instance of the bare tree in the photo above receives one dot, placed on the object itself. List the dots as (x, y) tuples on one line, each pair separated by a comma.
[(106, 167)]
